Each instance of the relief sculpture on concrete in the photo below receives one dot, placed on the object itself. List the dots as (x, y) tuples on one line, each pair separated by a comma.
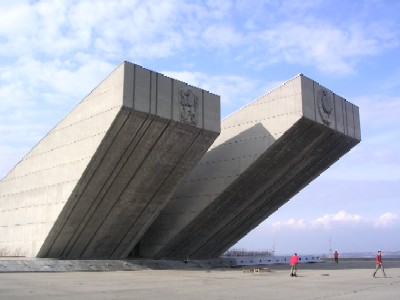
[(189, 106), (325, 106)]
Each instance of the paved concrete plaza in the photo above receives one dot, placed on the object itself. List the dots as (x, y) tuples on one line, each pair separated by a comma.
[(315, 281)]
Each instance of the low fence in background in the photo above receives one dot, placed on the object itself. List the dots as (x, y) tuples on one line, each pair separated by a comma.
[(267, 260)]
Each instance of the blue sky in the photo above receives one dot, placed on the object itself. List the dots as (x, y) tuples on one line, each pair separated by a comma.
[(53, 53)]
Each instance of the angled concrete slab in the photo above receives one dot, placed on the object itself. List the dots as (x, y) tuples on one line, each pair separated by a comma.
[(93, 185), (266, 153)]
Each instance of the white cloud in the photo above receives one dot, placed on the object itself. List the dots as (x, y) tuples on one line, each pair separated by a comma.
[(386, 220), (115, 29), (341, 217), (222, 36), (332, 221), (302, 33), (60, 28), (290, 224), (327, 46), (47, 47)]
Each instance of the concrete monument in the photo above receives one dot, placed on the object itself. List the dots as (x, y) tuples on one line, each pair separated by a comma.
[(266, 153), (93, 185), (127, 172)]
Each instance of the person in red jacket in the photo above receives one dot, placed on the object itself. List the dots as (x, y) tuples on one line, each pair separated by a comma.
[(294, 260), (379, 264), (336, 256)]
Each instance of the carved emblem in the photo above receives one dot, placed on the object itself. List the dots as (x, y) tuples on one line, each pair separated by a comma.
[(189, 104), (325, 106)]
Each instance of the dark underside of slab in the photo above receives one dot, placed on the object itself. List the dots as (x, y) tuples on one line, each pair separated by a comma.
[(128, 181), (291, 163)]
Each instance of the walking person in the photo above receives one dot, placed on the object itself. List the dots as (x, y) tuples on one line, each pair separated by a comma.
[(379, 264), (336, 256), (294, 260)]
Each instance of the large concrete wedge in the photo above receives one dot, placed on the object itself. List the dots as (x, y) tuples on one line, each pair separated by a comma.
[(93, 185), (266, 153)]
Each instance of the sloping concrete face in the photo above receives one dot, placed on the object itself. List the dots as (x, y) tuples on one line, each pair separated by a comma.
[(266, 153), (95, 183)]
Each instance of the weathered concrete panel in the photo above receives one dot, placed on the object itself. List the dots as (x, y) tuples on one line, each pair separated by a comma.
[(212, 106), (164, 103), (53, 166), (142, 90), (236, 186), (357, 123), (339, 114)]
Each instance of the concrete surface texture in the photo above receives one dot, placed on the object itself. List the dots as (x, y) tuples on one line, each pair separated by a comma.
[(18, 264), (93, 185), (314, 281), (266, 153)]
